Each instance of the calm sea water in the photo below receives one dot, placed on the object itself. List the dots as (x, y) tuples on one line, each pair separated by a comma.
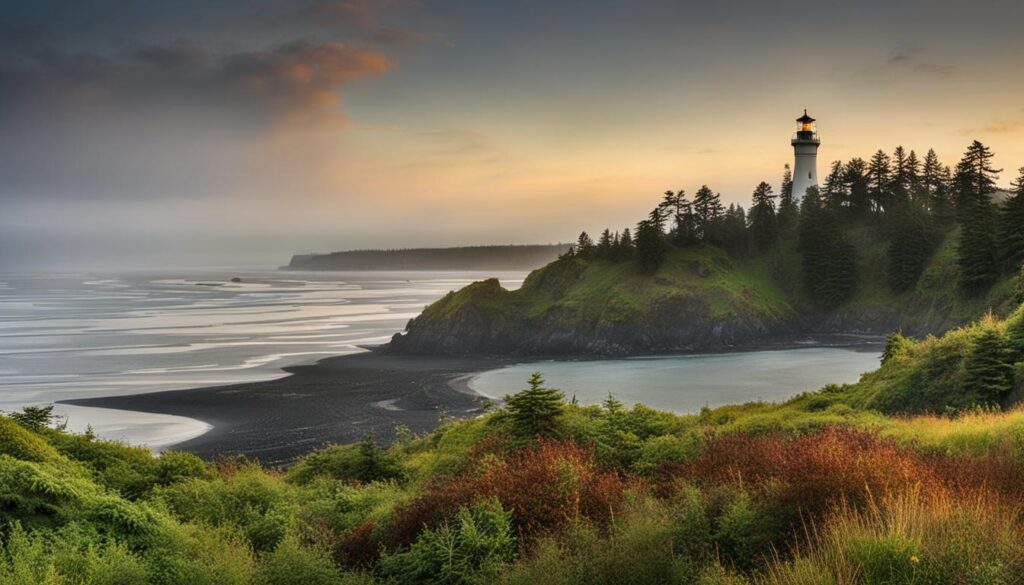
[(686, 383), (84, 335)]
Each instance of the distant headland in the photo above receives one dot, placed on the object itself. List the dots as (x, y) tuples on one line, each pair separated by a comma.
[(507, 257)]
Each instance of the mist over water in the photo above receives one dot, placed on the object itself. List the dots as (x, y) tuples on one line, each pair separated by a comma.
[(81, 335)]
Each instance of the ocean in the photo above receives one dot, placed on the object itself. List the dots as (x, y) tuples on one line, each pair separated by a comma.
[(98, 334), (78, 335)]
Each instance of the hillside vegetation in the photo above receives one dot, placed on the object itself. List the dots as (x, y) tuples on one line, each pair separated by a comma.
[(699, 298), (829, 487)]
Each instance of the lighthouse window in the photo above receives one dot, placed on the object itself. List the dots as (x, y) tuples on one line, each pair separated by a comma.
[(808, 175)]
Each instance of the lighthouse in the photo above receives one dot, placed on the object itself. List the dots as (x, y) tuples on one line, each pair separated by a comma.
[(805, 149)]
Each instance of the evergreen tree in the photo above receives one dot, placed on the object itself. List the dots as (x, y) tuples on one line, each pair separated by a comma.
[(915, 185), (828, 261), (707, 209), (731, 231), (763, 223), (789, 211), (896, 345), (914, 237), (584, 245), (900, 185), (1015, 336), (535, 411), (935, 180), (606, 244), (835, 195), (857, 184), (989, 369), (680, 210), (977, 256), (625, 249), (1011, 233), (879, 177), (650, 246)]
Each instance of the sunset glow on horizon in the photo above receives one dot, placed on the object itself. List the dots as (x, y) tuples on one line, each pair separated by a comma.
[(261, 129)]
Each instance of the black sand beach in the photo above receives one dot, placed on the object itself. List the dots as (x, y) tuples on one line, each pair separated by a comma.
[(336, 400)]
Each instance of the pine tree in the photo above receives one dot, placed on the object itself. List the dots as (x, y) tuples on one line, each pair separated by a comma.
[(606, 245), (879, 178), (535, 411), (935, 180), (763, 223), (915, 185), (989, 369), (1011, 233), (584, 245), (707, 209), (914, 237), (977, 252), (857, 184), (680, 210), (835, 195), (828, 261), (1015, 335), (731, 232), (789, 211), (650, 246), (900, 185), (625, 249)]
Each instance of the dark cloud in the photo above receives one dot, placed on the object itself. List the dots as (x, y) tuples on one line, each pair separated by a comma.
[(294, 77), (400, 37), (182, 54), (916, 59)]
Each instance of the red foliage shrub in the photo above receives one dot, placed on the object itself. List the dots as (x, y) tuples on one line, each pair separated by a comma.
[(357, 548), (808, 473), (546, 486)]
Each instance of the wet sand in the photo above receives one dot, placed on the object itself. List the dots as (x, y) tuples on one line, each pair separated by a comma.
[(336, 400)]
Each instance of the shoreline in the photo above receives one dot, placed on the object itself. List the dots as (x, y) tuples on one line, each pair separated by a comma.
[(342, 398), (334, 400)]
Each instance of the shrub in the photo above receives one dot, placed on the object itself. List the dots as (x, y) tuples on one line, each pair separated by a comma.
[(67, 557), (547, 486), (20, 443), (292, 564), (477, 541), (363, 462)]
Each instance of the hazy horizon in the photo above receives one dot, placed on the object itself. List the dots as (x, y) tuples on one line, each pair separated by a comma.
[(140, 135)]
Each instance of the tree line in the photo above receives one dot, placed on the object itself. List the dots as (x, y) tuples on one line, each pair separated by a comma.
[(910, 202)]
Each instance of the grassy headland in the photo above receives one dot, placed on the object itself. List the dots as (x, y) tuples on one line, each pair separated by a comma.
[(699, 298), (850, 484)]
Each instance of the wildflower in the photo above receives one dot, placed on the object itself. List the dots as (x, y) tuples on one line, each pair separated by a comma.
[(914, 559)]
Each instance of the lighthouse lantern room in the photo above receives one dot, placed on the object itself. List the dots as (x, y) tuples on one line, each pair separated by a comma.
[(805, 149)]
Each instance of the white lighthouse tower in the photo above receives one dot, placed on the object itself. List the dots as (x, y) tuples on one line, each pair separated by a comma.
[(805, 148)]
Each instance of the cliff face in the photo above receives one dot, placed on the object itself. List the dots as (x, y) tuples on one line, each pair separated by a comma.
[(699, 299)]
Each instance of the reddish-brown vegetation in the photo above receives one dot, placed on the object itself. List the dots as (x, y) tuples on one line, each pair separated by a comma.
[(546, 486), (810, 473)]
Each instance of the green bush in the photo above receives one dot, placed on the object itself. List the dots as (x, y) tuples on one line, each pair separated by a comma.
[(20, 443), (476, 543), (292, 564), (364, 462), (67, 557)]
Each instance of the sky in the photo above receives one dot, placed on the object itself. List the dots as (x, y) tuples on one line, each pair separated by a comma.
[(236, 133)]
